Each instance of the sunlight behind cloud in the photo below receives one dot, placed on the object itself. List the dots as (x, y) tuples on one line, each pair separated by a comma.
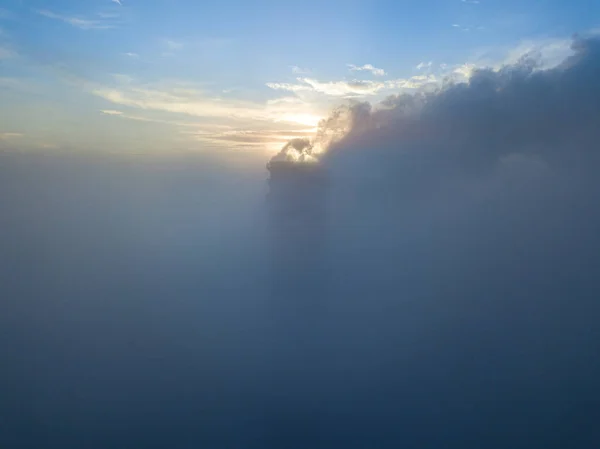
[(198, 115), (247, 109), (302, 119)]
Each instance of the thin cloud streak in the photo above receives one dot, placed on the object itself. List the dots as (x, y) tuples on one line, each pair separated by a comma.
[(299, 70), (424, 65), (245, 120), (6, 136), (353, 88), (367, 68), (78, 22)]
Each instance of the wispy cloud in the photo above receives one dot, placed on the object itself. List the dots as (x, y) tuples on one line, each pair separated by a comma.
[(78, 22), (344, 88), (171, 47), (414, 82), (172, 44), (424, 65), (333, 88), (354, 88), (131, 55), (460, 27), (267, 126), (250, 137), (299, 70), (139, 118), (6, 136), (367, 68), (471, 2), (289, 87), (190, 101), (547, 53), (118, 2)]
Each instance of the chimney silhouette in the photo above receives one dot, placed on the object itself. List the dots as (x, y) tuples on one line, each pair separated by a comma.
[(298, 237), (298, 228)]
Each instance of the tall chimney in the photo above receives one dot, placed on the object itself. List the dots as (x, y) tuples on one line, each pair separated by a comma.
[(297, 207)]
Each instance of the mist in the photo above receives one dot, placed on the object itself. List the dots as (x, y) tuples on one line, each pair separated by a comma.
[(456, 303)]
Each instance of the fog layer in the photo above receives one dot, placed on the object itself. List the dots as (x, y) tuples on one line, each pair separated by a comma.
[(456, 303)]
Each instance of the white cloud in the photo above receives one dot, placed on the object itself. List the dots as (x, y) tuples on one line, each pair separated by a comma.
[(289, 87), (465, 70), (111, 112), (84, 24), (345, 88), (547, 53), (368, 68), (355, 88), (131, 55), (118, 2), (472, 2), (332, 88), (460, 27)]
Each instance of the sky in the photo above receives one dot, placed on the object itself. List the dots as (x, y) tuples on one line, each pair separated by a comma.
[(237, 77)]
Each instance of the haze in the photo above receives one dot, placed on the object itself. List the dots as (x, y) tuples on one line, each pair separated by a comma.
[(320, 226)]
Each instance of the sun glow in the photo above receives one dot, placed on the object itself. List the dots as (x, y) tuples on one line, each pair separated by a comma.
[(301, 119)]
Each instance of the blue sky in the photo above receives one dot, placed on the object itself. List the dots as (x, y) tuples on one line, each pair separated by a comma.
[(240, 76)]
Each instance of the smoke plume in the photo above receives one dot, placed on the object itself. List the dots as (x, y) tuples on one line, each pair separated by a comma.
[(550, 115), (344, 119)]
